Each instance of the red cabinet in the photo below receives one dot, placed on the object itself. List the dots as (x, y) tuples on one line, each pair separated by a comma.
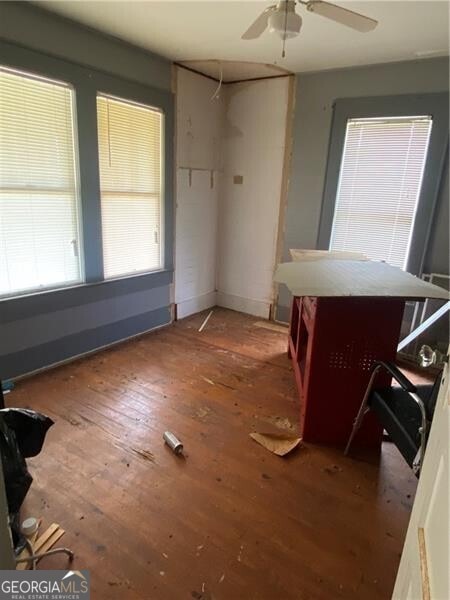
[(333, 343)]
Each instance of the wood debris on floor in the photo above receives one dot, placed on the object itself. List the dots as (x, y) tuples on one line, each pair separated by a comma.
[(41, 543), (205, 322)]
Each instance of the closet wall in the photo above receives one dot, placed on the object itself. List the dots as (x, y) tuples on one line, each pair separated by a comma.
[(230, 157), (199, 124)]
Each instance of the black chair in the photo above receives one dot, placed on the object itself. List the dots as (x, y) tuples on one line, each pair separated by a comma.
[(405, 412)]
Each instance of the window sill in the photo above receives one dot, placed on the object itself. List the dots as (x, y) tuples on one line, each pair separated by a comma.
[(40, 292), (14, 308), (133, 275), (81, 285)]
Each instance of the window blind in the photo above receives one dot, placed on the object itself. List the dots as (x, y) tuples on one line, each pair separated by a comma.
[(379, 185), (39, 237), (130, 155)]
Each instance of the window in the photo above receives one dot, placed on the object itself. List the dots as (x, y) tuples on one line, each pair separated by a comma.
[(130, 153), (379, 186), (39, 230)]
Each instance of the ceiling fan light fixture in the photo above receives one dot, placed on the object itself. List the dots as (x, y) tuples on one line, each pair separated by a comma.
[(282, 19), (285, 25)]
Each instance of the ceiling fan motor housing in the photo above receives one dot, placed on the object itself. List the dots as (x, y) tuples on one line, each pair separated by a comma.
[(284, 21)]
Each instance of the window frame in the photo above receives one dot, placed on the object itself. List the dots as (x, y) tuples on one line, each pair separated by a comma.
[(162, 249), (86, 83), (435, 105), (77, 189)]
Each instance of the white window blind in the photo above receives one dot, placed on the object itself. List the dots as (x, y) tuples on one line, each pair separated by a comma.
[(39, 234), (379, 186), (130, 153)]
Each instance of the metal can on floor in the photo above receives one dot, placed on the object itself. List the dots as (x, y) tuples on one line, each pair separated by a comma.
[(173, 442)]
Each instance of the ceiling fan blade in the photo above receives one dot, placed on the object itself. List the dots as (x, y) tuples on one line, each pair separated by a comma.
[(259, 25), (342, 15)]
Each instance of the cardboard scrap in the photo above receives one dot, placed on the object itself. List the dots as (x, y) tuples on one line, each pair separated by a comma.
[(326, 278), (278, 443)]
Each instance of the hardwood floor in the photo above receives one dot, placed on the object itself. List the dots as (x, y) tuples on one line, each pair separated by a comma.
[(230, 521)]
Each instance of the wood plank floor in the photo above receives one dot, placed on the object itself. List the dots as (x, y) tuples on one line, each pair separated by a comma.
[(230, 521)]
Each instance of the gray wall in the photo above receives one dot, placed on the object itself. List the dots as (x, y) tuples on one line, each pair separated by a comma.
[(315, 96), (437, 257), (38, 29), (41, 329)]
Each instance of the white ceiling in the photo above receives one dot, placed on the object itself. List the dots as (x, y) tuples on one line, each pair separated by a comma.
[(209, 29)]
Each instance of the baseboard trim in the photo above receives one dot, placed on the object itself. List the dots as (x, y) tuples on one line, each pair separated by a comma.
[(72, 347), (257, 308), (195, 305)]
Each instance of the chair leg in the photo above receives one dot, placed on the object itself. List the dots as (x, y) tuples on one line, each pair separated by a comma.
[(417, 463), (363, 410), (423, 430), (356, 426)]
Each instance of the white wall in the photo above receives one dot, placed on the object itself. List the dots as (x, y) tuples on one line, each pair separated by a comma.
[(199, 133), (253, 147)]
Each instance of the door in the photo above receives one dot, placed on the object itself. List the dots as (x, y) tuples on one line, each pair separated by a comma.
[(424, 566)]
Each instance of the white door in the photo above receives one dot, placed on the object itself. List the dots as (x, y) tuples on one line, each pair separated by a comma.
[(424, 566)]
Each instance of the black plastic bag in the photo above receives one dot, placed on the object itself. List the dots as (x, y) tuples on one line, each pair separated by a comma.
[(22, 434), (30, 428)]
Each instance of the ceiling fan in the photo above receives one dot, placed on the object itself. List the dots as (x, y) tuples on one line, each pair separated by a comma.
[(282, 19)]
